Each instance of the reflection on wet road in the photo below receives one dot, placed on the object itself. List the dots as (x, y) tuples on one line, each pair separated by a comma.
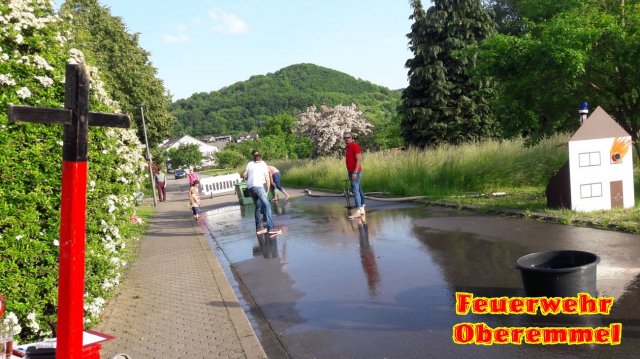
[(384, 286)]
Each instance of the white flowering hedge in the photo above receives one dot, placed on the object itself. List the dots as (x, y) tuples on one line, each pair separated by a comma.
[(33, 55)]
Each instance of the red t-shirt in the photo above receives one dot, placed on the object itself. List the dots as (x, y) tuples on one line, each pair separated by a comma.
[(351, 151)]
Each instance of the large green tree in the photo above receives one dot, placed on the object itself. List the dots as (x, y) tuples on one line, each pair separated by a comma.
[(130, 77), (443, 102), (587, 51), (512, 16)]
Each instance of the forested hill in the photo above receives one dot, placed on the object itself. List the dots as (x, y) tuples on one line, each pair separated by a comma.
[(245, 106)]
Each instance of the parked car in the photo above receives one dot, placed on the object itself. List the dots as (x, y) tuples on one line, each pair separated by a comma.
[(180, 173)]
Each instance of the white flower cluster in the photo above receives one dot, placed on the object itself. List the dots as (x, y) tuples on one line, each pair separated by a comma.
[(111, 283), (11, 318), (22, 16), (126, 168), (7, 79), (31, 317), (108, 228), (94, 308), (325, 127), (23, 92), (100, 93), (3, 56), (45, 81), (77, 57), (20, 19), (41, 63)]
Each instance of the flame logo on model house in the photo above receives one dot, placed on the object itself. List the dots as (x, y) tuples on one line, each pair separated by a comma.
[(619, 149)]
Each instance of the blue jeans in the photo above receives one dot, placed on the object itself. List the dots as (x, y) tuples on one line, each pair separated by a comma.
[(259, 196), (276, 184), (358, 195)]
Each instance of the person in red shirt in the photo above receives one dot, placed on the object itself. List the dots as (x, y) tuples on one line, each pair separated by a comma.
[(353, 158)]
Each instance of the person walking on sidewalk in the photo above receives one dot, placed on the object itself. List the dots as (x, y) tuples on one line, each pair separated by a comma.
[(258, 184), (274, 175), (353, 159), (194, 199), (160, 181)]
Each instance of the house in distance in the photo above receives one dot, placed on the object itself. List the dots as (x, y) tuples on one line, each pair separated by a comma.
[(599, 172)]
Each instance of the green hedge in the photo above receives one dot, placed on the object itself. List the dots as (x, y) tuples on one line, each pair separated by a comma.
[(33, 56)]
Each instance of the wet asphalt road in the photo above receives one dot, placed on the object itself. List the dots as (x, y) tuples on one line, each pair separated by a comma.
[(384, 287)]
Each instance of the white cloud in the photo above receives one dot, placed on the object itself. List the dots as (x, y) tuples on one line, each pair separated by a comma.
[(178, 37), (228, 23), (175, 38)]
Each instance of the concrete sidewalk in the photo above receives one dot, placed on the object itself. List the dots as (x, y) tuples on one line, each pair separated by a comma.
[(175, 301)]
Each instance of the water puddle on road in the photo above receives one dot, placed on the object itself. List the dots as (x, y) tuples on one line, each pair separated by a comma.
[(331, 287)]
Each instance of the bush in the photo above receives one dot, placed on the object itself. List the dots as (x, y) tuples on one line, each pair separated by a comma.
[(32, 70)]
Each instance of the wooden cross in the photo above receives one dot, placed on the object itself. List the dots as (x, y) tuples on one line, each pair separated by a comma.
[(73, 202)]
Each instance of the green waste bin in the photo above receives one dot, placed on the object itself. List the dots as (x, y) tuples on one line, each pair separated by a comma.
[(244, 198)]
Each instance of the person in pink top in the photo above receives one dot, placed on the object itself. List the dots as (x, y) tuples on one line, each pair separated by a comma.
[(192, 176), (274, 173)]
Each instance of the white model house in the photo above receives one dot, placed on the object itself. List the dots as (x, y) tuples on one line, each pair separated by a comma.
[(600, 165)]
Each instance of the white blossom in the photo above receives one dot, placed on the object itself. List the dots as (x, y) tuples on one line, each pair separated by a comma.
[(23, 93), (12, 318), (325, 127), (31, 317), (94, 308), (7, 79), (77, 57), (45, 81), (42, 63)]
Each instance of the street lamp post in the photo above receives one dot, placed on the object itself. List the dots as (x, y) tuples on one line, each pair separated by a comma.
[(146, 142)]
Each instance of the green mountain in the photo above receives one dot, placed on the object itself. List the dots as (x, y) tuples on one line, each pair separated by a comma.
[(245, 106)]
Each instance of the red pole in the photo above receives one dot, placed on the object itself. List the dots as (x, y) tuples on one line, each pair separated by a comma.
[(73, 215), (72, 254)]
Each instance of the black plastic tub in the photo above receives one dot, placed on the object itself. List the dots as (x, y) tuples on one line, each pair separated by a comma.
[(562, 273)]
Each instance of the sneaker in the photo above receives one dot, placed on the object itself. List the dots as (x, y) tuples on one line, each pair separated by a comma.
[(275, 231), (362, 209), (261, 231)]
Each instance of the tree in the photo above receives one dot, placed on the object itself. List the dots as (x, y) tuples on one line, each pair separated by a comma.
[(325, 127), (585, 52), (185, 155), (513, 16), (229, 159), (130, 77), (443, 102)]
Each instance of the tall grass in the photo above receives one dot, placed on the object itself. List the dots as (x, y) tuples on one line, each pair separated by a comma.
[(490, 166)]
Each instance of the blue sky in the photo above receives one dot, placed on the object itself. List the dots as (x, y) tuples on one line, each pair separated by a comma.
[(204, 45)]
